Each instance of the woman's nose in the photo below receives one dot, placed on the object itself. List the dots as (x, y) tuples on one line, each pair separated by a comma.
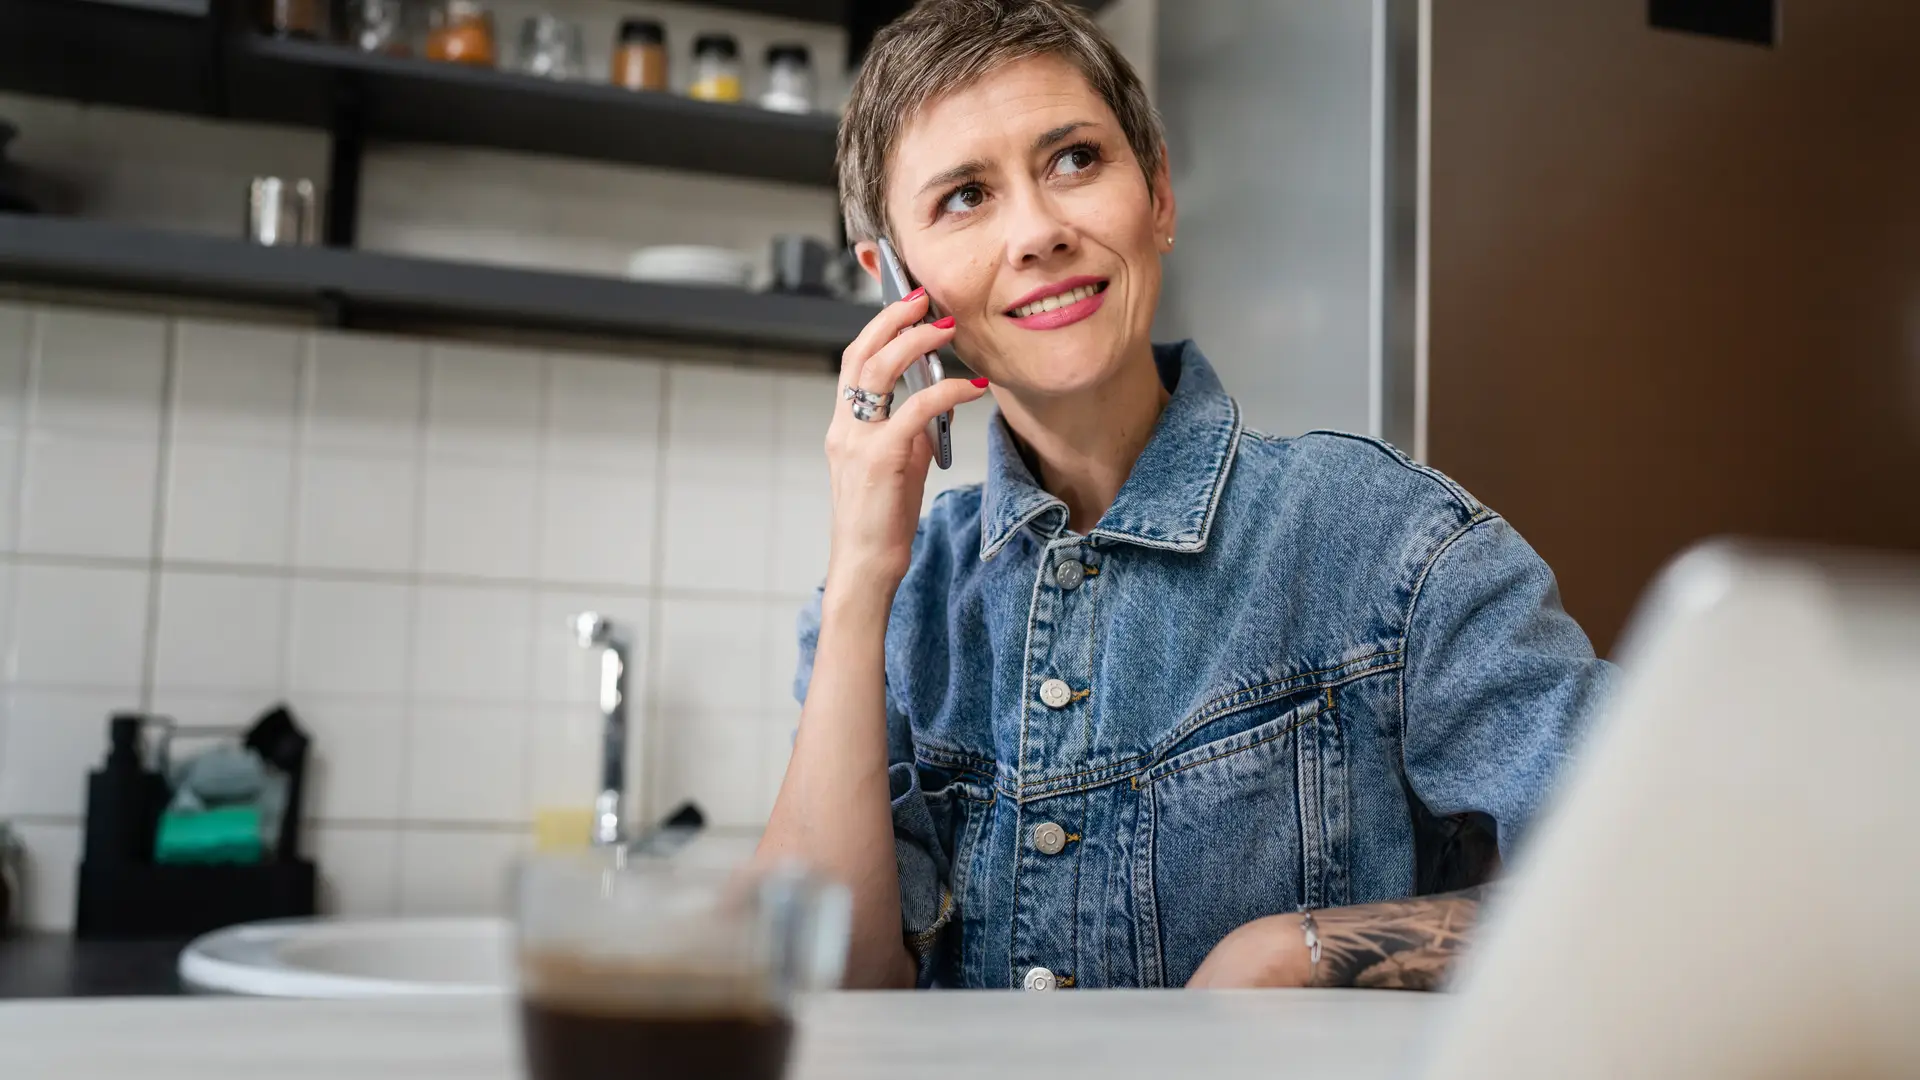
[(1036, 233)]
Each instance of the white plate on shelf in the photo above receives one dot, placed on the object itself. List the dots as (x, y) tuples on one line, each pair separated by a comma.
[(691, 264)]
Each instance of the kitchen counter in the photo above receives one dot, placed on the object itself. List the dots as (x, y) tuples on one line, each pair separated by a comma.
[(885, 1036), (55, 965)]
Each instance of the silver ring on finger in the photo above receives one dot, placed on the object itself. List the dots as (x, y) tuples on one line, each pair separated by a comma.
[(867, 405)]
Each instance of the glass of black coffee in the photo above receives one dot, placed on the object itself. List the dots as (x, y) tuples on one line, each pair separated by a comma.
[(650, 967)]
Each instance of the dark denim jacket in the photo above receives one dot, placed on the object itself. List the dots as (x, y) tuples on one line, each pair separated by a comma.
[(1232, 698)]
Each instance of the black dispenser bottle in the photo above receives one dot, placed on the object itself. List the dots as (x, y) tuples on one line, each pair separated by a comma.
[(124, 798)]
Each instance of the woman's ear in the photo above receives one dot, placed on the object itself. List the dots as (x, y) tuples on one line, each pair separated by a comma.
[(1165, 219), (868, 253)]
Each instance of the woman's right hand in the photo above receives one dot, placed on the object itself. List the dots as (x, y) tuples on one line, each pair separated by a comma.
[(879, 468)]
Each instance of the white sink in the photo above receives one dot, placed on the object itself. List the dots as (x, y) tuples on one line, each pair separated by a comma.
[(359, 958), (353, 958)]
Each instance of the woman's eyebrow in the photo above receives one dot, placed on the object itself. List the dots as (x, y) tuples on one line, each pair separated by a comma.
[(969, 170), (1049, 138), (966, 170)]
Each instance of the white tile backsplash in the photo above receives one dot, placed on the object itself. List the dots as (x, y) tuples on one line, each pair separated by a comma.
[(468, 763), (356, 513), (597, 528), (349, 637), (87, 494), (718, 504), (390, 536), (229, 503), (473, 644), (367, 394), (799, 541), (99, 371), (563, 756), (779, 625), (483, 404), (479, 519), (236, 383), (358, 763), (53, 853), (52, 738), (712, 657), (10, 468), (223, 632), (457, 871), (717, 759), (79, 627), (359, 868), (16, 355), (603, 414)]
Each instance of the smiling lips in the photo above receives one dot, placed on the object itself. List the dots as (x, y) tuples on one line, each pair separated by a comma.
[(1060, 304)]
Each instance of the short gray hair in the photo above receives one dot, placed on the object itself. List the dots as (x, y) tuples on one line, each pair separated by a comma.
[(942, 46)]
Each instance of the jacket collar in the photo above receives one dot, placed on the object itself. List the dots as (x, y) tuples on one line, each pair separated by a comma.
[(1169, 498)]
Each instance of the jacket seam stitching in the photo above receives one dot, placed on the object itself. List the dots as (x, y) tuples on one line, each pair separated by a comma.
[(1122, 774), (1460, 496), (1413, 603), (1220, 706), (1281, 734)]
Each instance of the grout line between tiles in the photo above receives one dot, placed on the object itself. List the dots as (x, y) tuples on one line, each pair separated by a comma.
[(653, 739), (156, 543), (306, 379), (422, 417), (391, 577), (524, 730), (29, 407), (48, 819)]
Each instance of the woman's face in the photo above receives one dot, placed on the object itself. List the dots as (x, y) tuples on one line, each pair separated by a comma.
[(1019, 206)]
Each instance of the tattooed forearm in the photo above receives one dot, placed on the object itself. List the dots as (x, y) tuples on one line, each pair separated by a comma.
[(1397, 945)]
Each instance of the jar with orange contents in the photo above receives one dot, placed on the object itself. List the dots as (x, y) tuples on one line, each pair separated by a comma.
[(461, 32)]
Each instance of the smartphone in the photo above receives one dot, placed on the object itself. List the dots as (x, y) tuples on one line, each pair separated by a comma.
[(927, 370)]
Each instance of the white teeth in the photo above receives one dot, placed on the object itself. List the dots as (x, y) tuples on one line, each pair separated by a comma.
[(1059, 300)]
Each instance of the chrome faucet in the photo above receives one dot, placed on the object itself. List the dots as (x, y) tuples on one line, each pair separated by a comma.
[(595, 631)]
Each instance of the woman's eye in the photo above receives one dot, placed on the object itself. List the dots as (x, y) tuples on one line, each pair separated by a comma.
[(963, 199), (1077, 160)]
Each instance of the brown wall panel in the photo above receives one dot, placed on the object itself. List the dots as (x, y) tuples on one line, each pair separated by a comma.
[(1675, 281)]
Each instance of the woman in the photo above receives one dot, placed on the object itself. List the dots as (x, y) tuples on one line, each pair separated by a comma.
[(1165, 700)]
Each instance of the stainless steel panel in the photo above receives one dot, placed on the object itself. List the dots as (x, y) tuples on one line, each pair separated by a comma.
[(1274, 122)]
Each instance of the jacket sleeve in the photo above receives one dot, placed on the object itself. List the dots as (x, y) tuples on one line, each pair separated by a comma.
[(1500, 682), (926, 901)]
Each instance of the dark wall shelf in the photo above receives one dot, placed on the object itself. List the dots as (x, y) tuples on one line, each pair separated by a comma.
[(419, 291), (310, 83)]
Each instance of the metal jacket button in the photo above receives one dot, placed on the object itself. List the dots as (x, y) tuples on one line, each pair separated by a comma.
[(1069, 574), (1049, 838), (1039, 978), (1055, 694)]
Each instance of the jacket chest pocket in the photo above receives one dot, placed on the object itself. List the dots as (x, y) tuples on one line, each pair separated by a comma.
[(1246, 825)]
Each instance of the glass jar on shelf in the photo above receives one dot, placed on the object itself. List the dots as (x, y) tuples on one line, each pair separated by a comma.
[(378, 26), (461, 32), (640, 59), (294, 18), (789, 80), (550, 48), (716, 68)]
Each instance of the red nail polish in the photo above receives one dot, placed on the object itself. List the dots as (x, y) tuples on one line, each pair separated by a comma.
[(943, 324), (978, 382), (914, 295)]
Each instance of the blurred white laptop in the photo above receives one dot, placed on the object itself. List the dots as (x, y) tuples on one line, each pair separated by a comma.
[(1729, 883)]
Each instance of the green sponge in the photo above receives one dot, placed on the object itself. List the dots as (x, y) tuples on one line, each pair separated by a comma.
[(227, 835)]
